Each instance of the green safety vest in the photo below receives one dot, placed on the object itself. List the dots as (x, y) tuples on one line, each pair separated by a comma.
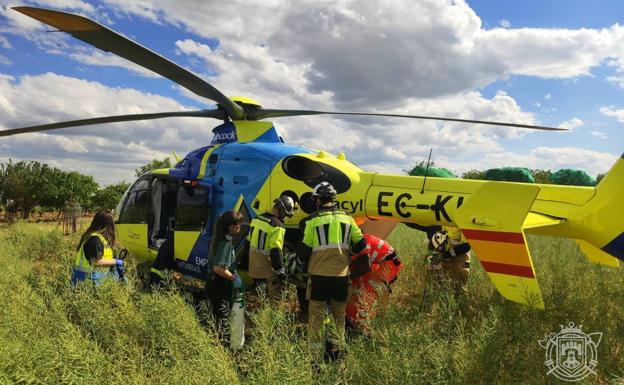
[(263, 237), (81, 264), (329, 233)]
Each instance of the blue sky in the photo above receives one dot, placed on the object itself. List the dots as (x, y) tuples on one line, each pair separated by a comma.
[(557, 63), (580, 97)]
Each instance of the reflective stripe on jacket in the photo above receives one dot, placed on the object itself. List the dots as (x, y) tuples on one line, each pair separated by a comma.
[(83, 269), (266, 233), (329, 233)]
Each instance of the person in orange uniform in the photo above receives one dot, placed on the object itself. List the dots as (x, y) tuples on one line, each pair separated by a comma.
[(371, 286)]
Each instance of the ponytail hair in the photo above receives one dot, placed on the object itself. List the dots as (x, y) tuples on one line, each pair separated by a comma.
[(222, 227)]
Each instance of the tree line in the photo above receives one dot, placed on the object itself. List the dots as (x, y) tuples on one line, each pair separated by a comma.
[(34, 186)]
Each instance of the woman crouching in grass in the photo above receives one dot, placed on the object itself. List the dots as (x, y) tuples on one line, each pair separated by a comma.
[(94, 259), (222, 276)]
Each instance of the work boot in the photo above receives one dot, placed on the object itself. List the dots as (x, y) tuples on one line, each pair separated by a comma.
[(302, 317), (317, 368), (333, 354)]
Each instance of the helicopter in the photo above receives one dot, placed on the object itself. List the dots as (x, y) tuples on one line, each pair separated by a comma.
[(247, 165)]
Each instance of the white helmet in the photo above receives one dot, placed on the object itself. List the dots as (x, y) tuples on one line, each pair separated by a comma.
[(324, 191)]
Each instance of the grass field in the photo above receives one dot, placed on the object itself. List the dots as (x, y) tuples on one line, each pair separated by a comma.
[(119, 334)]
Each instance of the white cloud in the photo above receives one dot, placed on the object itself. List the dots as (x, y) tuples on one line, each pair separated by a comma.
[(593, 162), (599, 134), (320, 55), (571, 124), (24, 101), (41, 99), (5, 43), (5, 60), (613, 112), (550, 158), (365, 55), (504, 23), (618, 77)]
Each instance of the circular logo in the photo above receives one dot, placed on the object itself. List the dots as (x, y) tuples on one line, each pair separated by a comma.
[(571, 355)]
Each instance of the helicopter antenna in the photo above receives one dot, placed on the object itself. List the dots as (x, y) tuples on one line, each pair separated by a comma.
[(422, 191)]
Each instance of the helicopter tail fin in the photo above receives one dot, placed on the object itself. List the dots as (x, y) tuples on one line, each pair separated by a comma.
[(603, 235), (494, 230)]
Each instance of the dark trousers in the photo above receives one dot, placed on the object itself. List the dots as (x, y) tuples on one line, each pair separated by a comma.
[(162, 263), (303, 301), (220, 292)]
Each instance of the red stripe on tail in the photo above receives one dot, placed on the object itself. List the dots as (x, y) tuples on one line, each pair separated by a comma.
[(493, 236), (503, 268)]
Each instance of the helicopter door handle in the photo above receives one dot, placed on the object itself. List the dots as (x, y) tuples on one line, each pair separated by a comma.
[(485, 222)]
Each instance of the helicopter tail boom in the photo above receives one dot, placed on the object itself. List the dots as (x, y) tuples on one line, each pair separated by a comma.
[(495, 216)]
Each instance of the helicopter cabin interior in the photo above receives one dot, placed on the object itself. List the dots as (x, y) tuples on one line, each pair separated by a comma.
[(157, 207)]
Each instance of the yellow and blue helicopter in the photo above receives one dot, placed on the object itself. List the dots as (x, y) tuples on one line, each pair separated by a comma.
[(247, 166)]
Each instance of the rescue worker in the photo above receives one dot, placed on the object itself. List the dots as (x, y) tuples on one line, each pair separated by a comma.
[(266, 240), (448, 259), (449, 249), (327, 236), (163, 263), (371, 286), (222, 276), (94, 257)]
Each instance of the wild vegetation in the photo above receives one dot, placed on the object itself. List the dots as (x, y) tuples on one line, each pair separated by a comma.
[(121, 334)]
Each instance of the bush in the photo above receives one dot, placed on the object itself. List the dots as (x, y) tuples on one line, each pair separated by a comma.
[(510, 174), (437, 172), (571, 177)]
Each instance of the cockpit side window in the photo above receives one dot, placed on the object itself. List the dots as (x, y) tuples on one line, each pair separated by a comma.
[(192, 207), (136, 206)]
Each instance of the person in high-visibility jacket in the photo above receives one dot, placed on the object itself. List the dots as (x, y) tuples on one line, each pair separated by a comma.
[(371, 284), (266, 240), (94, 257), (328, 234)]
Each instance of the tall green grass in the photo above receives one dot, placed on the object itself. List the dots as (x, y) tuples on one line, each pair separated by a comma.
[(120, 334)]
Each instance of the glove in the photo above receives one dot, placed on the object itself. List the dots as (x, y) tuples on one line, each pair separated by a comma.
[(359, 266), (238, 282), (119, 262), (281, 275), (435, 257)]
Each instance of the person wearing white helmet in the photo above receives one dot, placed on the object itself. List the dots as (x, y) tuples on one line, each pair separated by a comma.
[(266, 240), (328, 236)]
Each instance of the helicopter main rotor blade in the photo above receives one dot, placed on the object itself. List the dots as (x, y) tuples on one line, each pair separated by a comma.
[(267, 113), (217, 114), (93, 33)]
